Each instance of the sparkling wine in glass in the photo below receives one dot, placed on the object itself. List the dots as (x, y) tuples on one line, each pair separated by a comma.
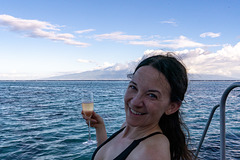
[(87, 107)]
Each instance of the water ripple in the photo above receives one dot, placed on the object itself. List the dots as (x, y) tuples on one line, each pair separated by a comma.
[(41, 120)]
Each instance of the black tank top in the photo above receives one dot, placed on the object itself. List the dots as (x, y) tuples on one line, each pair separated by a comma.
[(128, 150)]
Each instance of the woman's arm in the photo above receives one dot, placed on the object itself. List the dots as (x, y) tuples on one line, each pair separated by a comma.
[(98, 123)]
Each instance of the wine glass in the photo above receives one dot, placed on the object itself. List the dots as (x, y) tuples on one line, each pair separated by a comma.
[(87, 107)]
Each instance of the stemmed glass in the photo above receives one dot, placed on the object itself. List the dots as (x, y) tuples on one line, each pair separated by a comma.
[(87, 107)]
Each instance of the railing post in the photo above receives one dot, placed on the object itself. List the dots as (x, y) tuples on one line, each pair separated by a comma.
[(205, 130), (222, 119)]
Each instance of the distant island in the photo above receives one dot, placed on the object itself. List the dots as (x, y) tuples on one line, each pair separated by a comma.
[(109, 74)]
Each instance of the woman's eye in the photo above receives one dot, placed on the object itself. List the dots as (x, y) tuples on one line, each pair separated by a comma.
[(132, 87), (152, 95)]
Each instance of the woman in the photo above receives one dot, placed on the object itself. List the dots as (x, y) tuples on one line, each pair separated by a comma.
[(153, 127)]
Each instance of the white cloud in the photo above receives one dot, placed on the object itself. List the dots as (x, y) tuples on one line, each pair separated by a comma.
[(85, 31), (170, 21), (224, 62), (38, 29), (210, 34), (118, 36), (103, 65), (181, 42), (119, 66), (152, 43), (85, 61)]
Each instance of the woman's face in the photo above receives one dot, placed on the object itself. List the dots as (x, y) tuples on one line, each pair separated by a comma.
[(147, 97)]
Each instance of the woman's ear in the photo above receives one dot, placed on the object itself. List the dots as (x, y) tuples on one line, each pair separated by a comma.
[(173, 107)]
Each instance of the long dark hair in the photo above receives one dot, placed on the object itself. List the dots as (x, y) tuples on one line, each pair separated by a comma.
[(172, 125)]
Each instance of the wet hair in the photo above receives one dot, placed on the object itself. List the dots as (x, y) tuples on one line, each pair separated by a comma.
[(172, 125)]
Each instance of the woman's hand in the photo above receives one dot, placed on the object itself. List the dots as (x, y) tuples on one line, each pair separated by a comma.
[(97, 122)]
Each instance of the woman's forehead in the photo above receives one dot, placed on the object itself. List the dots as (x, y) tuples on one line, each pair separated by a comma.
[(150, 77)]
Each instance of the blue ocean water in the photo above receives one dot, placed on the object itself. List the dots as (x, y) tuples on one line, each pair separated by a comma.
[(41, 119)]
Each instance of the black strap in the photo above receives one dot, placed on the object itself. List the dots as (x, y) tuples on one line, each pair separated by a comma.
[(133, 145), (109, 139)]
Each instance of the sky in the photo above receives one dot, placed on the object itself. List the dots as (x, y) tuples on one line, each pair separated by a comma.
[(45, 38)]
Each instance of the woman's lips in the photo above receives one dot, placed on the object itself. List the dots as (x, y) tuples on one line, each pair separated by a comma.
[(135, 112)]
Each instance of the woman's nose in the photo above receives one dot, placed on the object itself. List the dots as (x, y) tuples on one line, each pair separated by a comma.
[(137, 100)]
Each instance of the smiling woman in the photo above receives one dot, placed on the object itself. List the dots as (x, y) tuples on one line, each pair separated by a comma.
[(153, 127), (147, 97)]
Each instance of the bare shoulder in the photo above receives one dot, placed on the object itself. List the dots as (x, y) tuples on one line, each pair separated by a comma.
[(154, 148)]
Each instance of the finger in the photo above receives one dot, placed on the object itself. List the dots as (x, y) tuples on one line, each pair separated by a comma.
[(96, 116), (92, 121), (86, 118), (83, 115), (93, 124), (87, 121)]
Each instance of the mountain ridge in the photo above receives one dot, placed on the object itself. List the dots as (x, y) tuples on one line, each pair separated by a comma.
[(107, 74)]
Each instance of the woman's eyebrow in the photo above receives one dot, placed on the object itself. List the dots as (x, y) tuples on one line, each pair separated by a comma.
[(133, 83), (152, 90)]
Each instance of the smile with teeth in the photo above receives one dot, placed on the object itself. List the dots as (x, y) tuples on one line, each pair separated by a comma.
[(135, 112)]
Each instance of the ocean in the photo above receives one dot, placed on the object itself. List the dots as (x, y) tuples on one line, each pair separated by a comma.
[(41, 119)]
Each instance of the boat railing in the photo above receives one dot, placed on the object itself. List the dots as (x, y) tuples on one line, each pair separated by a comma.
[(222, 106)]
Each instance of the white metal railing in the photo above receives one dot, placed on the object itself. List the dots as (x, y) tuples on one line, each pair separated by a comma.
[(222, 122), (222, 119)]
